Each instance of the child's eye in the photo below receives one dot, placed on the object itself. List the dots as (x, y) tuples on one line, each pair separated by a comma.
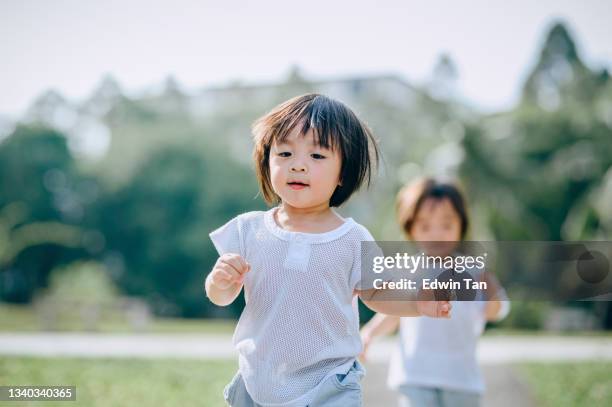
[(284, 154), (317, 156)]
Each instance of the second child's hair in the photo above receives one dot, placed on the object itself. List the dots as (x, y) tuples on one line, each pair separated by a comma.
[(334, 126), (411, 198)]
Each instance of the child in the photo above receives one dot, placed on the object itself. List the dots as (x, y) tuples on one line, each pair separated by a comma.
[(299, 262), (436, 360)]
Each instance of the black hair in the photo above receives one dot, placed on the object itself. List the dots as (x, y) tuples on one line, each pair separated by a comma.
[(334, 126)]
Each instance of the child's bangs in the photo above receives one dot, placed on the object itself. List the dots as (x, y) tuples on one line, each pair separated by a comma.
[(313, 117)]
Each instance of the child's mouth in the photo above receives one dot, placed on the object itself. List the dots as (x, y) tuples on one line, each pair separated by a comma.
[(297, 185)]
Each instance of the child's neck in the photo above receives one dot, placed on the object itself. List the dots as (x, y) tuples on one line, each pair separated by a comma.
[(317, 219)]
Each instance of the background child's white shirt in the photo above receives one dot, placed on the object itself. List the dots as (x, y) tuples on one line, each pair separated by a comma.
[(437, 352), (299, 325)]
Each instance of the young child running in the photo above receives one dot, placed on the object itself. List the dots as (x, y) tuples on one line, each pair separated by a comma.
[(299, 262), (435, 363)]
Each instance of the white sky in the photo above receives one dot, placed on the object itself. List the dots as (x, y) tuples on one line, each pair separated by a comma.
[(69, 45)]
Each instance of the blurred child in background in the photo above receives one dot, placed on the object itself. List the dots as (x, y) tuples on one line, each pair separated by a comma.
[(435, 363)]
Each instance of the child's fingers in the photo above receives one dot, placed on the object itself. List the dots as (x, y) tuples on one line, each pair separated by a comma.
[(235, 261), (362, 357), (244, 266), (434, 309), (227, 276), (230, 273), (445, 309), (221, 277), (243, 263)]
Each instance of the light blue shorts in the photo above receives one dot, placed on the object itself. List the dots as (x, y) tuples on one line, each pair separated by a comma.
[(418, 396), (339, 390)]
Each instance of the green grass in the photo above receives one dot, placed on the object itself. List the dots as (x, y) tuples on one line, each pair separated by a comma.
[(123, 382), (182, 382), (493, 332), (17, 318), (570, 384)]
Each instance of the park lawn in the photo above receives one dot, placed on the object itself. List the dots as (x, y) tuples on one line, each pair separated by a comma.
[(20, 318), (509, 332), (568, 384), (123, 382), (183, 382)]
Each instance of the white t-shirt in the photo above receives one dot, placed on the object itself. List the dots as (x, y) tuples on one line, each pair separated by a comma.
[(438, 352), (298, 326)]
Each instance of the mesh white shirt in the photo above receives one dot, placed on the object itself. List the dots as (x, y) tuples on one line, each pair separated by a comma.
[(299, 325)]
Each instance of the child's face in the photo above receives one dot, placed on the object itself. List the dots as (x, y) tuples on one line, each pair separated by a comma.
[(437, 221), (302, 173)]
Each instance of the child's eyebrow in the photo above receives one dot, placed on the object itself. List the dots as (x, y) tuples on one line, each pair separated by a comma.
[(290, 142)]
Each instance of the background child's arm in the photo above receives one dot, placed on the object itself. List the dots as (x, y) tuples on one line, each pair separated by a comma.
[(492, 310), (225, 281), (379, 325), (497, 305)]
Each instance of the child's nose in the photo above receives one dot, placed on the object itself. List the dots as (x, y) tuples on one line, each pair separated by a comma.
[(298, 166)]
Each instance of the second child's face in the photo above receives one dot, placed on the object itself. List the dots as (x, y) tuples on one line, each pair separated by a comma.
[(437, 221), (303, 173)]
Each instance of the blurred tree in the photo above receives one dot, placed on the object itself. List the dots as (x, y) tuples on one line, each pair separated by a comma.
[(105, 96), (160, 221), (537, 167), (443, 84), (81, 290), (14, 239), (38, 208), (560, 74), (541, 171), (83, 282)]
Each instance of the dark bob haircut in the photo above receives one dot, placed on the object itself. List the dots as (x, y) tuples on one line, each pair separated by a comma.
[(411, 197), (334, 126)]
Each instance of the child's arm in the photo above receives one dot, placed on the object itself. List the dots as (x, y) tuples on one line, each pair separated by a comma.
[(224, 282), (497, 305), (424, 305), (492, 310), (379, 325)]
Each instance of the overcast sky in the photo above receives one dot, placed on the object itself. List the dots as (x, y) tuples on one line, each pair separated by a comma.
[(69, 45)]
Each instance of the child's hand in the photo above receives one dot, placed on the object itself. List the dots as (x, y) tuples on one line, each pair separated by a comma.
[(428, 306), (366, 339), (229, 269), (434, 309)]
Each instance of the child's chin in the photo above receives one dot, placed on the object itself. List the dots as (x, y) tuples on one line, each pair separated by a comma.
[(298, 203)]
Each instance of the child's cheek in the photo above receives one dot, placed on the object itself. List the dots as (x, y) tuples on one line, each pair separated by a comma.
[(275, 179)]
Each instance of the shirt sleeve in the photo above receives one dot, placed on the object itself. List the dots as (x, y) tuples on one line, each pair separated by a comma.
[(504, 310), (228, 238), (362, 277)]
